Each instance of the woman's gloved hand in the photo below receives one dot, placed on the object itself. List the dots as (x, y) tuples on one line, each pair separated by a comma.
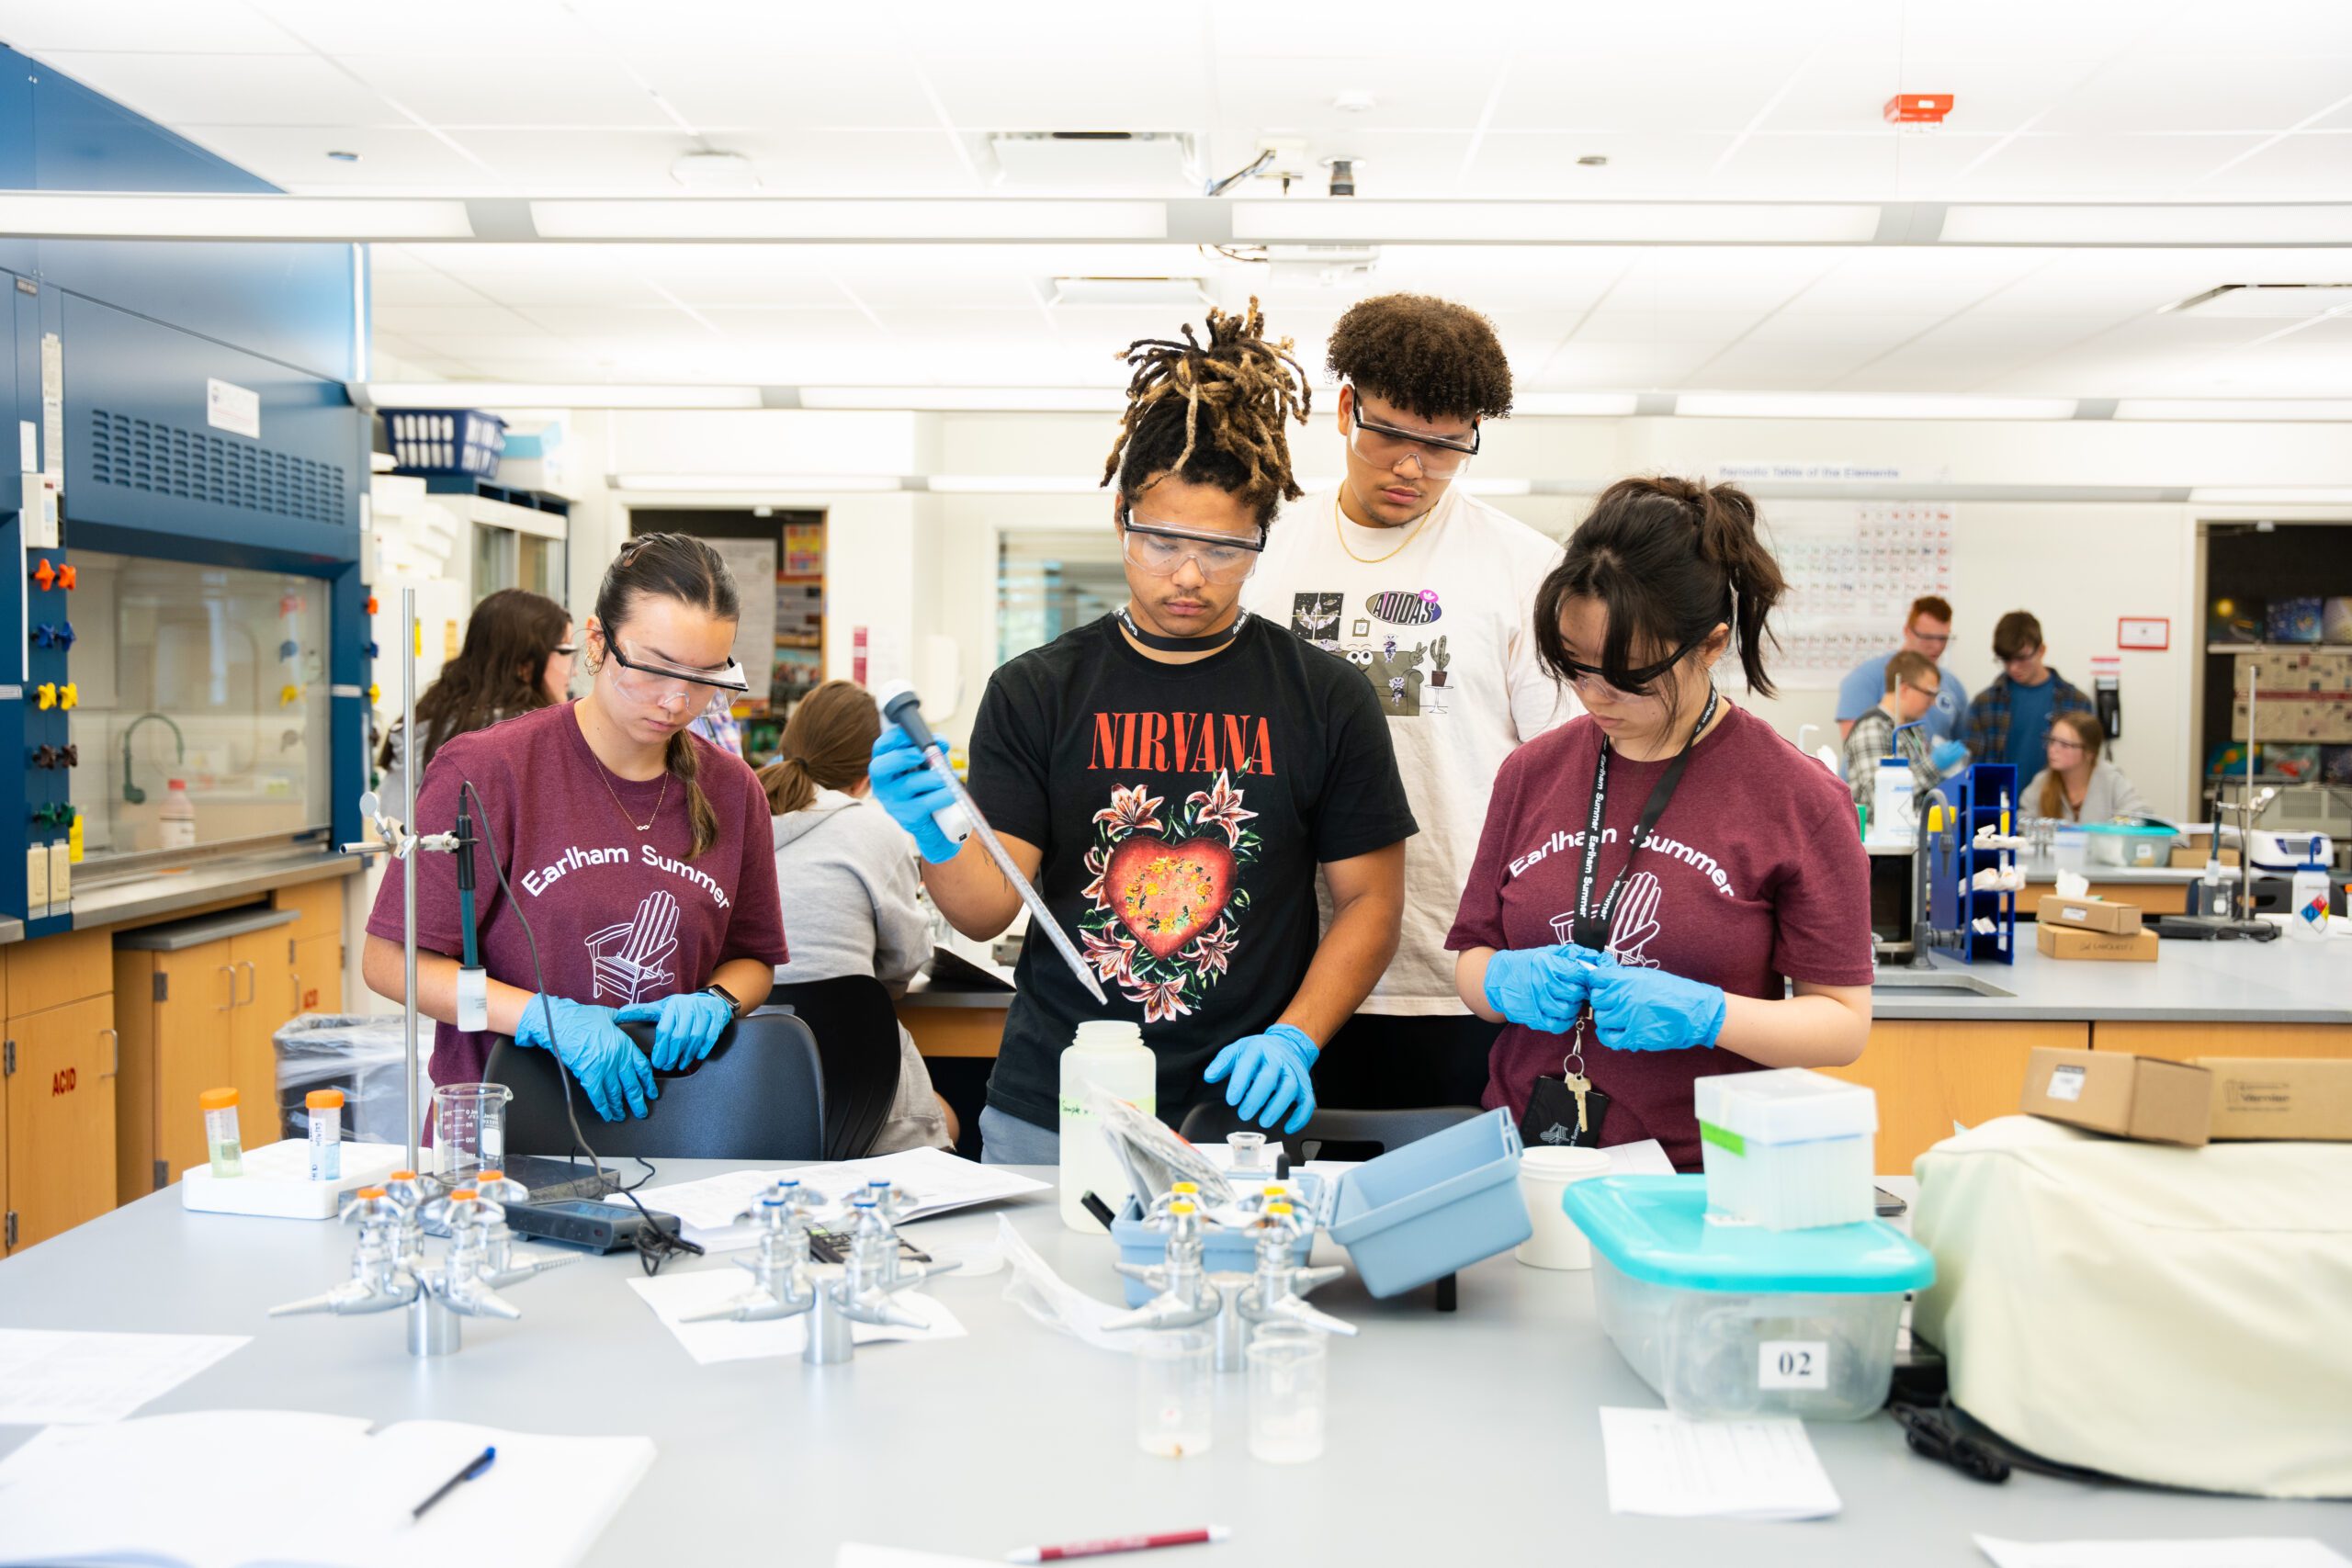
[(588, 1040), (1271, 1072), (1635, 1009), (685, 1027), (911, 792), (1541, 988)]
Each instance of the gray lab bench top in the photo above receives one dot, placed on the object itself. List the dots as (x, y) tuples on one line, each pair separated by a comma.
[(1462, 1439), (2227, 982), (138, 897)]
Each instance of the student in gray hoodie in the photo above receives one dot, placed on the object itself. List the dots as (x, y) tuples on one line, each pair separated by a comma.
[(851, 882)]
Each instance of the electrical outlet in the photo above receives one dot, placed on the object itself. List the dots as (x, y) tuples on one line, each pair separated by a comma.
[(61, 873), (37, 881)]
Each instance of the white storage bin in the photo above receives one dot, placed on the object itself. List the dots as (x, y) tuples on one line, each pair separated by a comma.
[(1788, 1148)]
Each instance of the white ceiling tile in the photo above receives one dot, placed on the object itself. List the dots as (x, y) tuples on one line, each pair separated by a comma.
[(453, 88), (450, 319), (2100, 168), (1753, 367), (2191, 94), (2300, 168), (44, 29), (1717, 90), (1543, 163), (1579, 365), (526, 33), (857, 162), (1810, 169), (295, 157), (1880, 329), (1895, 279), (1027, 88), (725, 87), (229, 89), (579, 162), (1296, 94), (1616, 324), (2257, 31), (403, 286)]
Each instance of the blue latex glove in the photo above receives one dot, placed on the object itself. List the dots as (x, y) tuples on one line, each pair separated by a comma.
[(1270, 1071), (1540, 988), (1946, 756), (685, 1027), (588, 1040), (911, 792), (1635, 1009)]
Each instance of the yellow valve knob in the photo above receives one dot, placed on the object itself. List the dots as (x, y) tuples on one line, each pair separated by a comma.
[(45, 695), (1273, 1210), (291, 693), (69, 694), (374, 694), (1181, 1207), (1273, 1189), (1185, 1189)]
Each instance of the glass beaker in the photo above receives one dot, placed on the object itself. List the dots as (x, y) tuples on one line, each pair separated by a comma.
[(1175, 1389), (1289, 1383), (468, 1128)]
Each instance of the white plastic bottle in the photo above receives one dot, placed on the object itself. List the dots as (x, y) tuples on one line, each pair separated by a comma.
[(175, 820), (1110, 1055), (2307, 917)]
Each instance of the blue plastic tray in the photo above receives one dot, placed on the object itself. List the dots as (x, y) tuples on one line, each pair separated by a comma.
[(1655, 1228), (1420, 1213), (1222, 1251)]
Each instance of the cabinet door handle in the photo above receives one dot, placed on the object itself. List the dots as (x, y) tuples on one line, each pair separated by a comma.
[(296, 980), (253, 980), (114, 1040), (231, 973)]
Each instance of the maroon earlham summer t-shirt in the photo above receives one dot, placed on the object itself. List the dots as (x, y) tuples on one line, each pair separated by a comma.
[(621, 916), (1755, 873)]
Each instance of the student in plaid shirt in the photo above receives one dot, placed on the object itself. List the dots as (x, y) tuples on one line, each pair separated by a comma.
[(2009, 720)]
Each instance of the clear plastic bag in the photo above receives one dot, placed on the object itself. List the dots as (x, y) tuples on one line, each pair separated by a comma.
[(1152, 1154), (358, 1054)]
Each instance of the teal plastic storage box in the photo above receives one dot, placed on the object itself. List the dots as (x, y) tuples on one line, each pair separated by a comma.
[(1222, 1251), (2125, 843), (1728, 1322), (1420, 1213)]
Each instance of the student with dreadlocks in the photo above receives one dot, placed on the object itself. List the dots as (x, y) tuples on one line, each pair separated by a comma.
[(1431, 593), (1179, 770)]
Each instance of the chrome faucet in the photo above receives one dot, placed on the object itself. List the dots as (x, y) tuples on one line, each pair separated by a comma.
[(781, 1285), (1182, 1292)]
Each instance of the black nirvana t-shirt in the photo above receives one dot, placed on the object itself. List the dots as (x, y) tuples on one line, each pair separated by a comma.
[(1182, 809)]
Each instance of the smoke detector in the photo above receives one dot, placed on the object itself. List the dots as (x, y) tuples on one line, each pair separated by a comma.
[(716, 173)]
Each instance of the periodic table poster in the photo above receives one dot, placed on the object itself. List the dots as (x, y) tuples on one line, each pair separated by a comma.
[(1852, 570)]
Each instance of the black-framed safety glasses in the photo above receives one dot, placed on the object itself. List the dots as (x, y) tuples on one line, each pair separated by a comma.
[(1637, 681), (655, 673)]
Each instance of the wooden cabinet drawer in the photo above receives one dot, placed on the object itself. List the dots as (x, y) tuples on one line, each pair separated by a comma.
[(55, 970), (320, 907)]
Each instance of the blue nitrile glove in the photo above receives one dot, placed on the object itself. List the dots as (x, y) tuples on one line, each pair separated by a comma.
[(1270, 1071), (911, 792), (588, 1040), (1540, 988), (1946, 755), (685, 1027), (1635, 1009)]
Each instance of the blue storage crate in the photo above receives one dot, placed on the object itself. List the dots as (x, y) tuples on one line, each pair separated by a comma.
[(1422, 1212), (446, 441)]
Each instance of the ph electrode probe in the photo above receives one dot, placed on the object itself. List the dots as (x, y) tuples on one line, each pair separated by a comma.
[(963, 819)]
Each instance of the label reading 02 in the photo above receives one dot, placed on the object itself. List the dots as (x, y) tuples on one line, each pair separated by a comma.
[(1801, 1364)]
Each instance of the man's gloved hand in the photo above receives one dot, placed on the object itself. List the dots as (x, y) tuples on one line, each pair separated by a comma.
[(685, 1027), (1635, 1009), (911, 792), (588, 1040), (1541, 988), (1270, 1072)]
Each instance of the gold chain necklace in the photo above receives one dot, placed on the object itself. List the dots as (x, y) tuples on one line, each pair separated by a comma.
[(1339, 520), (647, 824)]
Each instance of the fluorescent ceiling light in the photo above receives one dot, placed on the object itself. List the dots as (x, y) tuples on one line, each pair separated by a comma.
[(790, 484), (547, 394), (61, 215), (1865, 405), (1557, 222), (2212, 223), (1602, 404), (870, 219), (1012, 484), (2279, 409), (968, 399)]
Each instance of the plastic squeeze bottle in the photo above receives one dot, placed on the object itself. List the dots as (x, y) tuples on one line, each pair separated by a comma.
[(175, 820), (1110, 1055), (2307, 916)]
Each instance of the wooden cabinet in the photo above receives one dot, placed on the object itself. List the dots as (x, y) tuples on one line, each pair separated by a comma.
[(1930, 1073), (2178, 1041), (318, 974), (61, 1118)]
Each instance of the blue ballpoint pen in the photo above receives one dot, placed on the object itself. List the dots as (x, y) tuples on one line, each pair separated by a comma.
[(473, 1468)]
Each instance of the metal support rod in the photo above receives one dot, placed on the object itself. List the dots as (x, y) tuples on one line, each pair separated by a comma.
[(414, 764), (2246, 809), (433, 1328)]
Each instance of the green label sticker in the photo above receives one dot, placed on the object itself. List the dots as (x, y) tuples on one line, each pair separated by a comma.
[(1723, 1138)]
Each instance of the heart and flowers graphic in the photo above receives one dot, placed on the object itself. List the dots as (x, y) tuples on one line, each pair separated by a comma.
[(1164, 899)]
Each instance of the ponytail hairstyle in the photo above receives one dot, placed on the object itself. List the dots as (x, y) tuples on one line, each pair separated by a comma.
[(1669, 560), (2085, 727), (496, 674), (826, 745), (678, 567), (1212, 415)]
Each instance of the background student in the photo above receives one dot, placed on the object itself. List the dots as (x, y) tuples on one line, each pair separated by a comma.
[(2009, 721), (1926, 631), (1910, 693), (517, 658), (2079, 784)]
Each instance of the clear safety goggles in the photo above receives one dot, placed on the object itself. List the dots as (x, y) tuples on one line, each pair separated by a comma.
[(1386, 445), (1159, 548), (643, 676)]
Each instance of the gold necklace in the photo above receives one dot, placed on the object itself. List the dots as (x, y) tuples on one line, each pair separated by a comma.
[(647, 824), (1339, 518)]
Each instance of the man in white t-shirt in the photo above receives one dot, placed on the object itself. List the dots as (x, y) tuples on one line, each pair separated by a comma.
[(1431, 593)]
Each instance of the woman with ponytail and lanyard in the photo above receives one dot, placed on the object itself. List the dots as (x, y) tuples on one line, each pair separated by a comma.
[(1665, 888), (640, 854)]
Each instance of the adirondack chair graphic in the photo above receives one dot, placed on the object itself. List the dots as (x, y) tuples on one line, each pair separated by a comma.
[(630, 960)]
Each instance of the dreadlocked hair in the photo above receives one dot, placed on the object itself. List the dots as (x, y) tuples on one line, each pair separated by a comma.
[(1212, 413)]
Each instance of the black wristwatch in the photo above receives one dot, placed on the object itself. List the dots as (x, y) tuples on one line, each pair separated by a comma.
[(734, 1007)]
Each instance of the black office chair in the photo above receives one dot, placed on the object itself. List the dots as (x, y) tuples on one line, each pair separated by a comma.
[(857, 1043), (760, 1095)]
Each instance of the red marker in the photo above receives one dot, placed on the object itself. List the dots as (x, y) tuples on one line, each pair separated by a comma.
[(1118, 1543)]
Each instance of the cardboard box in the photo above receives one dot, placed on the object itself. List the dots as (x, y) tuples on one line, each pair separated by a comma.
[(2065, 942), (2144, 1098), (2257, 1097), (2088, 914), (2194, 859)]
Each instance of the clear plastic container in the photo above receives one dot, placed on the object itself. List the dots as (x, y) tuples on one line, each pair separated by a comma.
[(1731, 1322), (1110, 1055), (2123, 844), (1289, 1389), (1175, 1392), (221, 1143), (1788, 1148), (468, 1128), (325, 1108)]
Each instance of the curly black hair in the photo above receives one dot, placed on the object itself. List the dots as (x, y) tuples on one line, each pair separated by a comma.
[(1430, 357), (1213, 414)]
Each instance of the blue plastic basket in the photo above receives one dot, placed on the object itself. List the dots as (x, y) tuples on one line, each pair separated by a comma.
[(1222, 1251), (1420, 1213), (433, 442)]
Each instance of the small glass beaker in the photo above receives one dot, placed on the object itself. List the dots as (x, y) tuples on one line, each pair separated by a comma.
[(1248, 1152), (1175, 1389), (468, 1128), (1289, 1383)]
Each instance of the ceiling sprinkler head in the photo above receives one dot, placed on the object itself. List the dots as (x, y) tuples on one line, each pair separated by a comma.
[(1355, 100), (1343, 174), (343, 157), (1593, 160)]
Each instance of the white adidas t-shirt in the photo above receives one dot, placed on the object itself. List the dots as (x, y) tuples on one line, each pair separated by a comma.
[(1443, 630)]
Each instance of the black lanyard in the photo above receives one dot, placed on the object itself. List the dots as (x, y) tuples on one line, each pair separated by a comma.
[(1590, 928)]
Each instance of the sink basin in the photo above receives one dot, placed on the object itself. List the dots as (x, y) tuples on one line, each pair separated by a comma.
[(1937, 983)]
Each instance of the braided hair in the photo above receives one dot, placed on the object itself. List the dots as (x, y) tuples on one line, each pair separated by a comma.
[(1212, 413)]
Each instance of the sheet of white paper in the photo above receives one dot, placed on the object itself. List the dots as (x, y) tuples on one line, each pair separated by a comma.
[(1661, 1464), (674, 1297), (2251, 1553), (855, 1555), (1645, 1159), (53, 1376), (936, 1180)]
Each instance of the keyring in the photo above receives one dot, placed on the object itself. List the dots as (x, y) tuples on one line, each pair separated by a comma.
[(1572, 1065)]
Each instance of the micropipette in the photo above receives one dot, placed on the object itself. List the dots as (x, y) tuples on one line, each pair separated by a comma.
[(963, 819)]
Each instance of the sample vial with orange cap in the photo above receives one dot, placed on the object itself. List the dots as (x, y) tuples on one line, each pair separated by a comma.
[(220, 1140), (325, 1107)]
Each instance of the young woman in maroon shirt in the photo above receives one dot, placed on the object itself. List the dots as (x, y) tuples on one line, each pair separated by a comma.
[(1720, 922)]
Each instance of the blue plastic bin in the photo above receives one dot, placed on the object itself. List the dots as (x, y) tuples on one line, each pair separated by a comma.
[(433, 442), (1420, 1213), (1222, 1251)]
